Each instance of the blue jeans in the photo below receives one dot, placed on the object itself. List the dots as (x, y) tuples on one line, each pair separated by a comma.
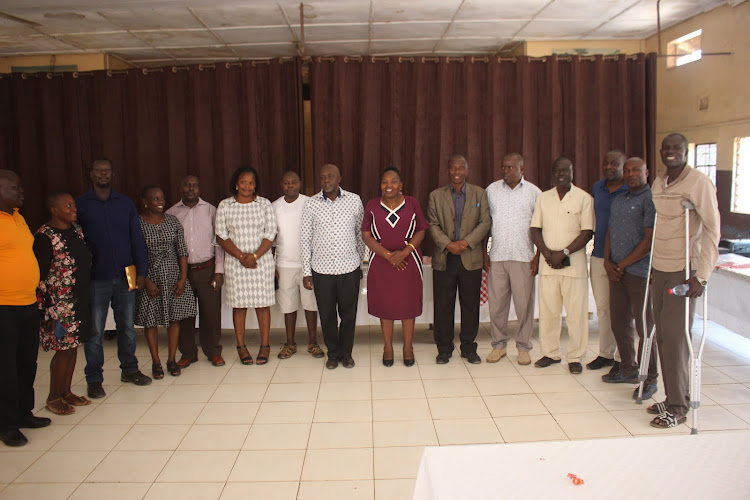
[(103, 292)]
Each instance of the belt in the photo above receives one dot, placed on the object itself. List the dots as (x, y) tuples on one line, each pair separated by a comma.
[(202, 265)]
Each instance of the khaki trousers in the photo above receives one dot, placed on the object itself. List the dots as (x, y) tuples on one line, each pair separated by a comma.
[(555, 292), (600, 288), (511, 279)]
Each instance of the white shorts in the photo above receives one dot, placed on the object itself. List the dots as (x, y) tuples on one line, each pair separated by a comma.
[(291, 291)]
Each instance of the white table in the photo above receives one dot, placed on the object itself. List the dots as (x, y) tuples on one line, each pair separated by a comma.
[(704, 466), (363, 317)]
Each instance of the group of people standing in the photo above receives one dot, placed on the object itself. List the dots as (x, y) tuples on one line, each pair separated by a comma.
[(152, 268)]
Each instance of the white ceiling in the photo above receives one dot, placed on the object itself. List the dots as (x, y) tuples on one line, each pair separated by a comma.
[(163, 32)]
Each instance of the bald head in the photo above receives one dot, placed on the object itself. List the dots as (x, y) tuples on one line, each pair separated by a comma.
[(330, 179), (11, 192), (635, 173)]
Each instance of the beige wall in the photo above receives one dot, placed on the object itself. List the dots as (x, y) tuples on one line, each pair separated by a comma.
[(85, 62), (724, 81), (545, 48)]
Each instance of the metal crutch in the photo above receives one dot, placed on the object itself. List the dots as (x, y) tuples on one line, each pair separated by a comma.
[(695, 361), (649, 336)]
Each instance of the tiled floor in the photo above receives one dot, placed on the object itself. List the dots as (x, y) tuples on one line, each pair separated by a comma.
[(292, 429)]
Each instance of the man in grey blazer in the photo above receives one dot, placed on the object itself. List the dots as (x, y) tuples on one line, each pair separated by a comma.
[(459, 218)]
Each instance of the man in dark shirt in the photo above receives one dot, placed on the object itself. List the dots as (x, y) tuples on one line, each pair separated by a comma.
[(113, 233), (626, 253)]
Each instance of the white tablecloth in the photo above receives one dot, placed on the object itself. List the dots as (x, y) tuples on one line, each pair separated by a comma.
[(363, 317), (704, 466)]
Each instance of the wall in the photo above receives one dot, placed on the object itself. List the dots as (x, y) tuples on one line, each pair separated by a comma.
[(545, 48), (85, 62), (723, 80)]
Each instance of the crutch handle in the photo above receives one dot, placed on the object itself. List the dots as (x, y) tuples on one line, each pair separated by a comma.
[(688, 205)]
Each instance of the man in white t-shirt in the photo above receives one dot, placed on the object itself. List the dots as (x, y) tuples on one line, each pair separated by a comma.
[(291, 292)]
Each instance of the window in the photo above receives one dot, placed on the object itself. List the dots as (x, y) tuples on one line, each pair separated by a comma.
[(685, 49), (705, 160), (741, 176)]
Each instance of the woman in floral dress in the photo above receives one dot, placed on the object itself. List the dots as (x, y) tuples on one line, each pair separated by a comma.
[(63, 297)]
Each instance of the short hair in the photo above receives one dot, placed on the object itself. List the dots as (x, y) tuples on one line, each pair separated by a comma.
[(53, 198), (102, 160), (236, 177), (8, 175), (676, 134), (391, 168), (288, 172), (561, 159), (515, 155), (148, 188), (461, 158)]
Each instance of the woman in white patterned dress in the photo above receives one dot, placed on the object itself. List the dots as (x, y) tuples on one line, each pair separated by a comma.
[(245, 228)]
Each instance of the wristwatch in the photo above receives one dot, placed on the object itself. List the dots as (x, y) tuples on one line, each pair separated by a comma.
[(702, 281), (566, 252)]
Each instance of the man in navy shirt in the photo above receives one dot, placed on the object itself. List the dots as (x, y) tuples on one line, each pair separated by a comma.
[(113, 233), (604, 192)]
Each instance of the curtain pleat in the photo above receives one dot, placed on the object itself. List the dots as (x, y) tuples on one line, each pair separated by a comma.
[(155, 127)]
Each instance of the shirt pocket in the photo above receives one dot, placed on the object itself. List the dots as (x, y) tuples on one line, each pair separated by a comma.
[(572, 219)]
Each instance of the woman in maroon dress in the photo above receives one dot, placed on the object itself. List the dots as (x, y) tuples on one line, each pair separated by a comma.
[(393, 228)]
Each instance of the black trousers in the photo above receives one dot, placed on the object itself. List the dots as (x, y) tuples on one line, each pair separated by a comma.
[(19, 338), (444, 285), (209, 301), (340, 291)]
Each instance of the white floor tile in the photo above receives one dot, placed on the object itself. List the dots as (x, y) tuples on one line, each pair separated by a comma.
[(268, 465), (92, 438), (400, 462), (165, 437), (338, 465), (184, 491), (345, 391), (406, 433), (385, 410), (343, 411), (130, 466), (215, 437), (62, 467), (326, 490), (277, 437), (285, 413), (398, 389), (52, 491), (110, 491), (198, 467), (467, 431), (228, 413), (264, 490), (340, 435), (512, 405)]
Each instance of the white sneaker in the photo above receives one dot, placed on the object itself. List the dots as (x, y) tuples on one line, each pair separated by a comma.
[(496, 355), (524, 358)]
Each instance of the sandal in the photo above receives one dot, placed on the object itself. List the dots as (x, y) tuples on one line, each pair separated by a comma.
[(315, 350), (657, 408), (173, 368), (667, 420), (260, 359), (287, 351), (157, 371), (74, 400), (59, 407), (244, 355)]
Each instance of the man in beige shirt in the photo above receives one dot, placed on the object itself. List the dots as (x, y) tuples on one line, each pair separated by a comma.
[(678, 184), (562, 224)]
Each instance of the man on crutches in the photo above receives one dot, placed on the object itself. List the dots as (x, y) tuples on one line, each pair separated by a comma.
[(626, 260), (680, 183)]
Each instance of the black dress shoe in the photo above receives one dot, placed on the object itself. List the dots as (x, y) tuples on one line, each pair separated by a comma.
[(388, 362), (442, 358), (136, 378), (575, 368), (332, 363), (472, 357), (95, 390), (544, 362), (620, 378), (349, 362), (648, 390), (32, 422), (600, 362), (13, 437), (408, 362)]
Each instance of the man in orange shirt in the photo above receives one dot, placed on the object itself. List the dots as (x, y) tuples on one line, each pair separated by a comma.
[(19, 316)]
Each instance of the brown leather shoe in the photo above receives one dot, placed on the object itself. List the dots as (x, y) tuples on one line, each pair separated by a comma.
[(217, 360), (185, 362)]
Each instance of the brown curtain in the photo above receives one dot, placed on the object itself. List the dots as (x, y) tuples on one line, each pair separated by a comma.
[(368, 113), (156, 127)]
